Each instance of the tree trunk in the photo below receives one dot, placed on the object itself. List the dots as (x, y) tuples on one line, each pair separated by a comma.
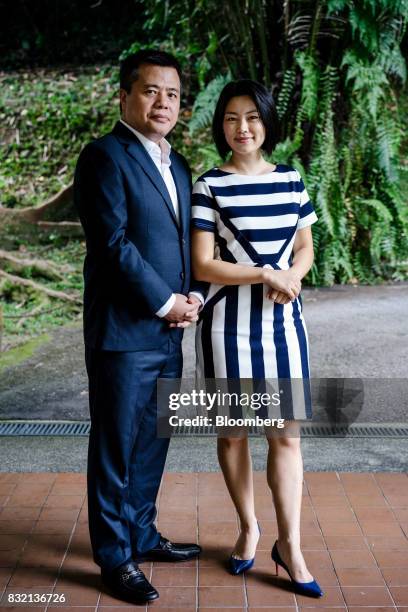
[(32, 225)]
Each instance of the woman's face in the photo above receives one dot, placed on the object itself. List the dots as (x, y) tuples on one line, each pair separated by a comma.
[(243, 128)]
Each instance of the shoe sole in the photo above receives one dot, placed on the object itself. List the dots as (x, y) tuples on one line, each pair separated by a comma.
[(157, 559), (130, 599)]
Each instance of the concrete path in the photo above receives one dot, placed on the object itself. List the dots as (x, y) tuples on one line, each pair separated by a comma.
[(354, 332)]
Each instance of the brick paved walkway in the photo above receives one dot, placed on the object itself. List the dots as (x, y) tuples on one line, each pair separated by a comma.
[(354, 528)]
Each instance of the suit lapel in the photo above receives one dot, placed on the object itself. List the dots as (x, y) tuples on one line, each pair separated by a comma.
[(183, 191), (136, 150)]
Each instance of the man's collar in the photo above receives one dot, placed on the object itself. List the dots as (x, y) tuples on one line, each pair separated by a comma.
[(163, 147)]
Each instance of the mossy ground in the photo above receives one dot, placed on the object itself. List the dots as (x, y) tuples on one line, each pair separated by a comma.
[(18, 354)]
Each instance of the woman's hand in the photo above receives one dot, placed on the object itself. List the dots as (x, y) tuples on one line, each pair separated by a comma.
[(285, 285), (277, 296)]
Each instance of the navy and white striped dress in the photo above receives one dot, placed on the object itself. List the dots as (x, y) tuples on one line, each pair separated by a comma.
[(241, 333)]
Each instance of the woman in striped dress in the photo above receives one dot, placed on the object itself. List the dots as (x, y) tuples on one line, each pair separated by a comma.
[(252, 242)]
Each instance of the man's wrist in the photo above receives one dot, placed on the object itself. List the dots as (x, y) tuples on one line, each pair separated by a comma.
[(199, 297), (165, 309)]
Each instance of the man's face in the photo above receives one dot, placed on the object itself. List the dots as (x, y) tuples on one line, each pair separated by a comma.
[(153, 104)]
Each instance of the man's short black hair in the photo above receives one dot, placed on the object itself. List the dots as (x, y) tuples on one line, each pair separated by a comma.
[(264, 103), (130, 65)]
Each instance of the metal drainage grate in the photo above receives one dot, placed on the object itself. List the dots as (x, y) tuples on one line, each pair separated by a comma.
[(308, 430), (44, 428)]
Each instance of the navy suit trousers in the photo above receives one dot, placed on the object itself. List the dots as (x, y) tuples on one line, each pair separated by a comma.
[(125, 457)]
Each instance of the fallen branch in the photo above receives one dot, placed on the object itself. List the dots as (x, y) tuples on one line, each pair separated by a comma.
[(65, 229), (38, 267), (60, 295), (33, 313)]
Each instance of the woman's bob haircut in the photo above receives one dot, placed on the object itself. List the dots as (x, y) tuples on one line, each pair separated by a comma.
[(264, 103)]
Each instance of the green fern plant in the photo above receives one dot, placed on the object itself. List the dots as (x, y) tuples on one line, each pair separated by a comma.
[(204, 105), (285, 92), (310, 85), (338, 65)]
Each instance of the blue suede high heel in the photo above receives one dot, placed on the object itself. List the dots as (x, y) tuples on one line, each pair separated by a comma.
[(238, 566), (312, 589)]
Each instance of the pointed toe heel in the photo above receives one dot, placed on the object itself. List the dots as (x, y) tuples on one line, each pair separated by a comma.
[(310, 589), (238, 566)]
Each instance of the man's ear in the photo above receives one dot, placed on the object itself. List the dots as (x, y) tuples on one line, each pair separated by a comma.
[(122, 99)]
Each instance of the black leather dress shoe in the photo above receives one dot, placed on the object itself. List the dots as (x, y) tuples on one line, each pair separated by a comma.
[(129, 583), (170, 551)]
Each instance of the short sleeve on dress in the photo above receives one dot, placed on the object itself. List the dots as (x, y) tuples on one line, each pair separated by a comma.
[(203, 211), (307, 215)]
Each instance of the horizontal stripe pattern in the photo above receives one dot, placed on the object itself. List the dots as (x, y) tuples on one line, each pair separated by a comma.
[(263, 208)]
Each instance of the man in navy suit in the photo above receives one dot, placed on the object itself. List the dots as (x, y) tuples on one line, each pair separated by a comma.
[(133, 192)]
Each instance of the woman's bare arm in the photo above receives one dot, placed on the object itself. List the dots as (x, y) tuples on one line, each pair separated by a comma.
[(302, 262), (303, 254), (206, 268)]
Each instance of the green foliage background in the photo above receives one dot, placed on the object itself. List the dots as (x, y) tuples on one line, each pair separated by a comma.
[(46, 118), (336, 69)]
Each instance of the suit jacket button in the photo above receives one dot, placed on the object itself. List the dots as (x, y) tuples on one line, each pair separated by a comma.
[(182, 275)]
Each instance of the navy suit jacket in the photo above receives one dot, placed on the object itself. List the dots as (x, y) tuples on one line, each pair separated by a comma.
[(137, 253)]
